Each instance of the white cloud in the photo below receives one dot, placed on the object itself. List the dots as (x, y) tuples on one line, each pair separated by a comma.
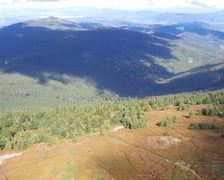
[(120, 4), (207, 3)]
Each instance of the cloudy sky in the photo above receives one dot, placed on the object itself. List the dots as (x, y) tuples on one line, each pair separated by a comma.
[(16, 10), (118, 4)]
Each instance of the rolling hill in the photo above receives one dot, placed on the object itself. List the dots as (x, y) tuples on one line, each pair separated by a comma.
[(51, 62)]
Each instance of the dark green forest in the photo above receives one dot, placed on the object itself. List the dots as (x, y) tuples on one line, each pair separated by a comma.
[(19, 130), (148, 60), (61, 79)]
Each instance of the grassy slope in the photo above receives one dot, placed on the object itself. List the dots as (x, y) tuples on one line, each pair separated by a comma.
[(19, 92), (130, 154)]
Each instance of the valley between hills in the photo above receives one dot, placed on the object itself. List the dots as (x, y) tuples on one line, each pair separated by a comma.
[(53, 62), (84, 100)]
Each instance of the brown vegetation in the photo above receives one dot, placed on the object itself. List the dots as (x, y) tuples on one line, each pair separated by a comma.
[(130, 154)]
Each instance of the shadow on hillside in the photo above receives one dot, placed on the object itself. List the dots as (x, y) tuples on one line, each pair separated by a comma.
[(115, 59)]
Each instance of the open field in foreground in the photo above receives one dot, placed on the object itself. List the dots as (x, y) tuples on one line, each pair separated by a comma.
[(153, 152)]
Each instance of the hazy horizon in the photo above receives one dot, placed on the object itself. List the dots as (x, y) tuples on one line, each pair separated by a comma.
[(20, 10)]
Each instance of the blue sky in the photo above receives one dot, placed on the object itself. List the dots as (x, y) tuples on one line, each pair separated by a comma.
[(24, 9)]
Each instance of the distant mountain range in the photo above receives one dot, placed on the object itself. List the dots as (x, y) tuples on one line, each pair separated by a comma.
[(129, 60), (115, 17)]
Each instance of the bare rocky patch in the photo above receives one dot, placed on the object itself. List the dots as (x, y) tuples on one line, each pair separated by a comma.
[(160, 142)]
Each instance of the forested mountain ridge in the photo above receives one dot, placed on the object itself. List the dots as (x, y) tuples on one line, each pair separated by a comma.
[(140, 60), (70, 100)]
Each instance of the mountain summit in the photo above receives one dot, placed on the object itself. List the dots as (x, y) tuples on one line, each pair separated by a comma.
[(53, 23)]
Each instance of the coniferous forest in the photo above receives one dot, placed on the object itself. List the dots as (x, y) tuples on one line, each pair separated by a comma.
[(21, 129), (125, 95)]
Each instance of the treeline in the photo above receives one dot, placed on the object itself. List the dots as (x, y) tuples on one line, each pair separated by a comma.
[(21, 129)]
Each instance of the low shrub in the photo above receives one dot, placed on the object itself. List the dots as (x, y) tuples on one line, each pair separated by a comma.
[(183, 107), (190, 114), (202, 126), (166, 134), (211, 111), (166, 122)]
